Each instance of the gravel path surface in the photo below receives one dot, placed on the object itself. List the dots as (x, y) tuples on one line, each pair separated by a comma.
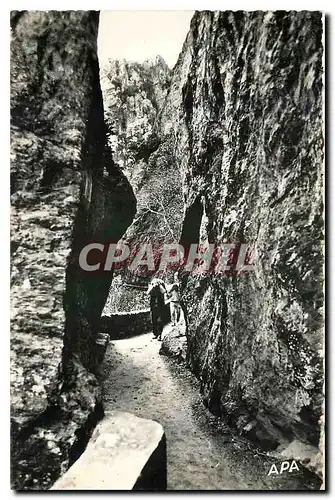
[(202, 453)]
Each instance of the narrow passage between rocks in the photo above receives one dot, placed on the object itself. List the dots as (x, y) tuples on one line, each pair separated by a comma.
[(202, 453)]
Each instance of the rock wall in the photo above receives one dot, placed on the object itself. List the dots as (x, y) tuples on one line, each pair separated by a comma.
[(250, 152), (65, 192), (242, 132), (124, 297), (237, 157), (133, 96)]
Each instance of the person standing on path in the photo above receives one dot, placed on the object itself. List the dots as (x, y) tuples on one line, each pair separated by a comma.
[(174, 299), (157, 290)]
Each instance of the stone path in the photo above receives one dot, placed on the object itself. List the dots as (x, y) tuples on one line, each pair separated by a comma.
[(201, 454)]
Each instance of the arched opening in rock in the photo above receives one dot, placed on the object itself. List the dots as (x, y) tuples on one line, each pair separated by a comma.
[(192, 222)]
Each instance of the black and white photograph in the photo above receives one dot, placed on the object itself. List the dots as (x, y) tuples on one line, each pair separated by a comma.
[(167, 220)]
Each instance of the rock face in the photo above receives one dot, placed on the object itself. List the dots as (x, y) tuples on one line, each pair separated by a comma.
[(133, 95), (247, 91), (241, 132), (66, 191), (134, 102), (174, 343)]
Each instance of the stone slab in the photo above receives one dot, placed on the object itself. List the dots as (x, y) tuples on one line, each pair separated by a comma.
[(118, 457)]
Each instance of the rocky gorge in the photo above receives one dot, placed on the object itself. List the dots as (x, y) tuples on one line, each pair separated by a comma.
[(241, 128), (225, 148)]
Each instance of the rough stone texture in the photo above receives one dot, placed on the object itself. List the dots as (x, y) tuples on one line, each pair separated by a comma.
[(66, 191), (119, 457), (174, 343), (306, 454), (242, 132), (125, 297), (237, 157), (133, 95), (250, 149), (47, 134)]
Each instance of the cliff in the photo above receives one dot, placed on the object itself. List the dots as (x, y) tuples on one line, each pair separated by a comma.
[(241, 146), (247, 91), (234, 154), (133, 95), (65, 192)]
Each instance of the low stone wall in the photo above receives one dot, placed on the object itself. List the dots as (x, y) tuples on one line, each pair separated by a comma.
[(126, 324), (129, 324)]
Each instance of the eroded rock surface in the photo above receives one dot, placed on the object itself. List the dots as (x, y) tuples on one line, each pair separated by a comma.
[(66, 191), (250, 150), (174, 343), (238, 159), (134, 94), (241, 133)]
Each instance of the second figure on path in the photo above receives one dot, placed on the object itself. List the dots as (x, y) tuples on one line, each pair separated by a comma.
[(174, 300)]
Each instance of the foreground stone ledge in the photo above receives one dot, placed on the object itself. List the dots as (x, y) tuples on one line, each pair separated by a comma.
[(125, 452)]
